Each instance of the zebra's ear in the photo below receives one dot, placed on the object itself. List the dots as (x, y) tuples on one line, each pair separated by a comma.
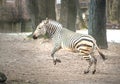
[(47, 20)]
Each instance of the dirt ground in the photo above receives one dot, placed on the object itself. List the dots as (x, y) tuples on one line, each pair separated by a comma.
[(27, 61)]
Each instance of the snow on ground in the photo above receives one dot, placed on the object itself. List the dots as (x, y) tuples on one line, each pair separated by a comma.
[(112, 35)]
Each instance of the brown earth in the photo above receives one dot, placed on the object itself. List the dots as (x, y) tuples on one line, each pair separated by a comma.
[(27, 61)]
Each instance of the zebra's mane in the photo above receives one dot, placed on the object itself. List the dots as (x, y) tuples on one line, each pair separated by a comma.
[(52, 27), (54, 23)]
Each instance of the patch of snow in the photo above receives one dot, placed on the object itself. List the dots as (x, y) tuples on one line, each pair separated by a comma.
[(112, 35)]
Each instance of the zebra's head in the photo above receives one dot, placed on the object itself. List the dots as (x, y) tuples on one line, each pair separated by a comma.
[(41, 29), (48, 27)]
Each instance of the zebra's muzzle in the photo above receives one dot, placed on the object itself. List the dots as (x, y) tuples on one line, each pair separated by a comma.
[(34, 37)]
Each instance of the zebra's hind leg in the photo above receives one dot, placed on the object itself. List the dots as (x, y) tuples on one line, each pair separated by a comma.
[(90, 64), (91, 60), (95, 63)]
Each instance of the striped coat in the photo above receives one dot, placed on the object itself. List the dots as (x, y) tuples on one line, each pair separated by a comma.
[(63, 38)]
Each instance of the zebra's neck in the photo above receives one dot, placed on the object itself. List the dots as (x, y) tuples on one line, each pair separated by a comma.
[(52, 28)]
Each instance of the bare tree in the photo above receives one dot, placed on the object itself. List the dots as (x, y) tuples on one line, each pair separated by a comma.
[(97, 22), (68, 14), (79, 12), (115, 11), (41, 9)]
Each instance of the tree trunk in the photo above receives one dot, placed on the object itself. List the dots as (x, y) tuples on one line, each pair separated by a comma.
[(108, 9), (46, 9), (68, 14), (50, 10), (32, 8), (97, 22), (72, 12), (79, 13), (64, 12), (40, 10), (115, 14)]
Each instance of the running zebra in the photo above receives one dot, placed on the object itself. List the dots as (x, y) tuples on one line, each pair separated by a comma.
[(63, 38)]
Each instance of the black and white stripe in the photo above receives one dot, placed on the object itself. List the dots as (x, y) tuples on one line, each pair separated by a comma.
[(52, 27), (63, 38)]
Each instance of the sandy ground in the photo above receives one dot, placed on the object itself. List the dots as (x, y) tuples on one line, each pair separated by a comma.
[(27, 61)]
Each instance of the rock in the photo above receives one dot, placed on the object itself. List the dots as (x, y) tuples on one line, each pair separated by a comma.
[(3, 78)]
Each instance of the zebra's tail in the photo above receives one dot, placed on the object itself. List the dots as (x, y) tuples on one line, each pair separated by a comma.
[(101, 54)]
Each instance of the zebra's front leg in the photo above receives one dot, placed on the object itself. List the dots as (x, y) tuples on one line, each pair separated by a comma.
[(55, 49)]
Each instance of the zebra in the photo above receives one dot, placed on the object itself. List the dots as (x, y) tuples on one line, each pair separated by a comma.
[(63, 38)]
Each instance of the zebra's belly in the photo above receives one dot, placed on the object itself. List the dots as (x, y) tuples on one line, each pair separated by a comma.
[(84, 50), (68, 48)]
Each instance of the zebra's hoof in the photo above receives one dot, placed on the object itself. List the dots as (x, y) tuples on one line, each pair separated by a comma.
[(58, 60), (55, 61), (85, 72), (93, 72)]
